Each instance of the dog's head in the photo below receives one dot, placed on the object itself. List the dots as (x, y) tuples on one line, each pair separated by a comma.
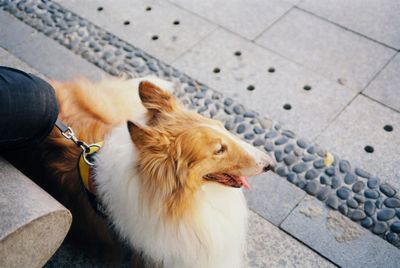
[(180, 150)]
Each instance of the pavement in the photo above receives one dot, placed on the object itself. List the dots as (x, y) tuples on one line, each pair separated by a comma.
[(313, 72)]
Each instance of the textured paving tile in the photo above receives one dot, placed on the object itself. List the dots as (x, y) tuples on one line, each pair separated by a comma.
[(272, 197), (362, 124), (328, 49), (311, 111), (270, 247), (42, 53), (338, 238), (144, 25), (248, 19), (385, 88), (377, 19)]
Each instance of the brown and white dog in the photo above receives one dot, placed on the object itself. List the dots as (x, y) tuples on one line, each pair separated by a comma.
[(169, 178)]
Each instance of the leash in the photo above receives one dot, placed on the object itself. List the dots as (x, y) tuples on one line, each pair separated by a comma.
[(85, 165), (87, 150)]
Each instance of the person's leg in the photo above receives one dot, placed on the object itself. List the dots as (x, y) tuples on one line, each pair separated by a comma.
[(28, 109)]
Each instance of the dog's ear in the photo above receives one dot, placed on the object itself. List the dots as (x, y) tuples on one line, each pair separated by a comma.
[(147, 136), (154, 98)]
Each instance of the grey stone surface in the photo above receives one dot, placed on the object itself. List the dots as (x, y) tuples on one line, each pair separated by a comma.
[(349, 59), (377, 19), (248, 20), (272, 90), (172, 40), (32, 225), (8, 59), (42, 53), (362, 124), (272, 197), (267, 246), (338, 238), (385, 88)]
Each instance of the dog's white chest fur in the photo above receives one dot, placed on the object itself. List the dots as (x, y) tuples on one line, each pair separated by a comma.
[(213, 236)]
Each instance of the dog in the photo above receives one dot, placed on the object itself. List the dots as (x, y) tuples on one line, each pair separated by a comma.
[(169, 179)]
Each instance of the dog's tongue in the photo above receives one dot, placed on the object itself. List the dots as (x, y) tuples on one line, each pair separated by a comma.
[(243, 179)]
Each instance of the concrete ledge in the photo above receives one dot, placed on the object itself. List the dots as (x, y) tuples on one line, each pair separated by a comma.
[(33, 224)]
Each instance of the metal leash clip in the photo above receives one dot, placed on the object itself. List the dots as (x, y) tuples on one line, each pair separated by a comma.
[(69, 134)]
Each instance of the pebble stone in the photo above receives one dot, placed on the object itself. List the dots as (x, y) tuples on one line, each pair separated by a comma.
[(362, 173), (258, 142), (269, 147), (312, 187), (228, 102), (379, 203), (290, 159), (392, 202), (325, 180), (357, 215), (288, 133), (380, 227), (373, 183), (239, 119), (369, 208), (350, 178), (330, 171), (333, 202), (282, 171), (387, 190), (371, 194), (352, 203), (359, 198), (324, 193), (241, 128), (386, 214), (343, 193), (344, 166), (298, 152), (229, 125), (312, 150), (292, 177), (281, 140), (238, 109), (336, 182), (392, 237), (279, 155), (249, 136), (311, 174), (343, 209), (271, 134), (258, 130), (288, 148), (358, 186), (395, 227), (301, 184), (308, 158), (319, 163), (367, 222), (302, 143), (249, 114), (299, 168)]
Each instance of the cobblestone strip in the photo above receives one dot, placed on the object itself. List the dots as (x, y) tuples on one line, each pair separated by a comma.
[(354, 192)]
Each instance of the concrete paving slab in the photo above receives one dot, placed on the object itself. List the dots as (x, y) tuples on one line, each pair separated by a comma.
[(270, 247), (272, 197), (8, 59), (158, 27), (385, 88), (338, 238), (248, 19), (362, 124), (272, 90), (343, 56), (42, 53), (377, 19)]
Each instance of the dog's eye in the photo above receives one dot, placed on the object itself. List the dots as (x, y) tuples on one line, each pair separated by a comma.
[(221, 150)]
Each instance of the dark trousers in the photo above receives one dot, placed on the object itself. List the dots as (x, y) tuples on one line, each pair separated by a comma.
[(28, 109)]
